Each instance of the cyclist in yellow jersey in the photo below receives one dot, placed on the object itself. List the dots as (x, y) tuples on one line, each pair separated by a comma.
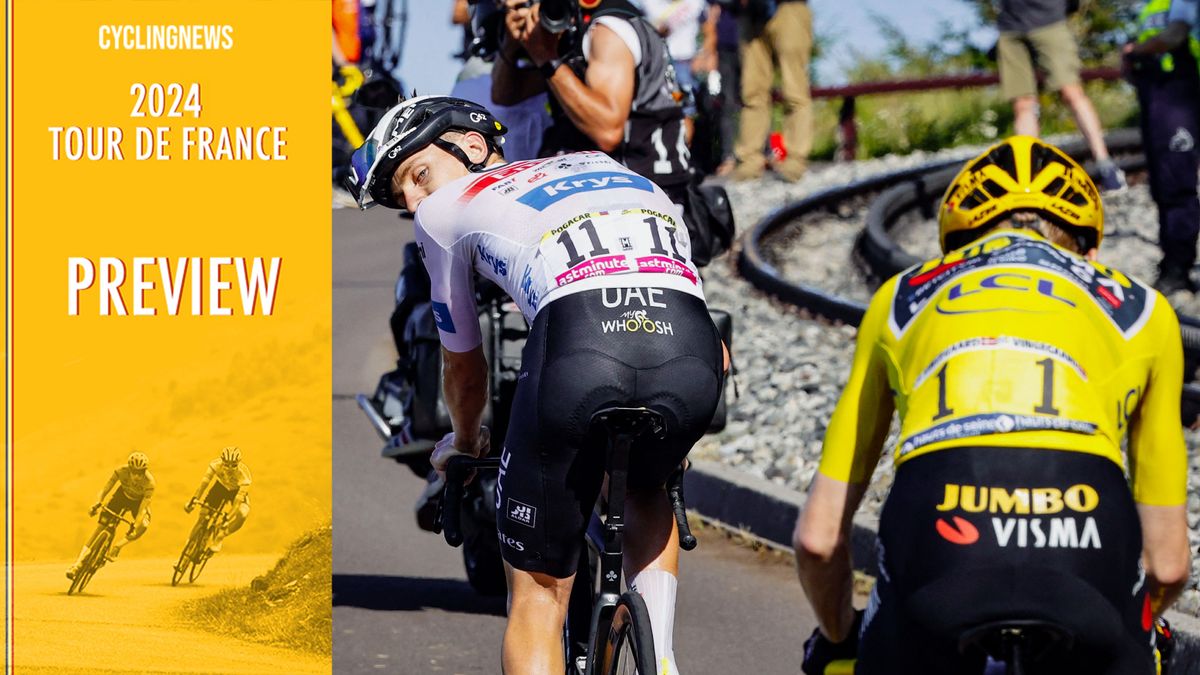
[(1018, 365), (134, 487), (229, 479)]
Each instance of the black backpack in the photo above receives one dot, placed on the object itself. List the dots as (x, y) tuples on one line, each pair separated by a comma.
[(709, 220)]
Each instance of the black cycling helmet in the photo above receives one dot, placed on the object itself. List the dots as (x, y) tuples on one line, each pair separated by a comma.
[(407, 129)]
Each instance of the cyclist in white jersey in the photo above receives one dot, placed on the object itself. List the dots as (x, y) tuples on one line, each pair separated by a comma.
[(598, 261)]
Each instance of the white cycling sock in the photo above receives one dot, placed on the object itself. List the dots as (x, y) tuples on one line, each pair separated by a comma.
[(657, 588)]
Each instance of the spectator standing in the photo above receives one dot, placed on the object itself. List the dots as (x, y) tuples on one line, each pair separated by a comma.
[(678, 21), (775, 31), (723, 16), (1037, 29), (1163, 61)]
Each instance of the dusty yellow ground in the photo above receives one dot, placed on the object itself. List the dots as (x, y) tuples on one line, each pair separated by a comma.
[(126, 621), (272, 401)]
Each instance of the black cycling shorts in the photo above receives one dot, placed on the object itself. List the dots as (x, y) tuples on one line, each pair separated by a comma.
[(588, 351), (122, 503), (971, 536), (218, 494)]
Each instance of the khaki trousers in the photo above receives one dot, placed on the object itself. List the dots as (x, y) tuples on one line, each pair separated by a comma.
[(786, 39)]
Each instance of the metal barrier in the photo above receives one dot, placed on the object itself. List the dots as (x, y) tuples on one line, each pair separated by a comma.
[(848, 143)]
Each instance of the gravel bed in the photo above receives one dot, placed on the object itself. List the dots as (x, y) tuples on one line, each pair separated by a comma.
[(791, 368)]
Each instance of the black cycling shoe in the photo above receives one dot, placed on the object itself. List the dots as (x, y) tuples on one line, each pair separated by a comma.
[(429, 503)]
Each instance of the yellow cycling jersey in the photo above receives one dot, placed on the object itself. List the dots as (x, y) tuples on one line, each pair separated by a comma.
[(232, 478), (135, 485), (1015, 342)]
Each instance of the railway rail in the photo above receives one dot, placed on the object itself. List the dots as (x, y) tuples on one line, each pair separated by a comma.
[(897, 194)]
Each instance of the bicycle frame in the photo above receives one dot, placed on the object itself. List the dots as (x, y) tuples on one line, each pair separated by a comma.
[(604, 603)]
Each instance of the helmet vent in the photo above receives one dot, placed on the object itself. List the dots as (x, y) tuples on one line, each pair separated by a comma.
[(973, 200), (1075, 197), (1055, 186), (1003, 158), (993, 188)]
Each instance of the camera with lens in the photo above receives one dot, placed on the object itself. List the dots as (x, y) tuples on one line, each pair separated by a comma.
[(486, 17)]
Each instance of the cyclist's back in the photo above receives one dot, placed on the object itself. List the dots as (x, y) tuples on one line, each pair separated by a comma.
[(1018, 367), (593, 255), (1015, 383)]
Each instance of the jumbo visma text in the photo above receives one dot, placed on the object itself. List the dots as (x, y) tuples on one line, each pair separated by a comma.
[(217, 286)]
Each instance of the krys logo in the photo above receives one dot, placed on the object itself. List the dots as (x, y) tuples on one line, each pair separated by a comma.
[(637, 321), (498, 265), (545, 195)]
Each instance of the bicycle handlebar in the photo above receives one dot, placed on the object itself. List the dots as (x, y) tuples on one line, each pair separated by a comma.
[(457, 470), (118, 516), (687, 541)]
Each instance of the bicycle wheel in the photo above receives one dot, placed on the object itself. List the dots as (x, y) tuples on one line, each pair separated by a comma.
[(629, 647), (185, 561), (188, 556), (201, 553), (198, 564), (93, 561)]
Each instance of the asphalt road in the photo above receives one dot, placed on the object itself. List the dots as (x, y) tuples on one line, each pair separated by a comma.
[(401, 600)]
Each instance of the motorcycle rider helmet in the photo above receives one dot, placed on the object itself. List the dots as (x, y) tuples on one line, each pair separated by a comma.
[(1022, 174), (409, 128)]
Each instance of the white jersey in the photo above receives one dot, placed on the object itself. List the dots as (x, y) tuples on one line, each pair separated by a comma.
[(543, 229)]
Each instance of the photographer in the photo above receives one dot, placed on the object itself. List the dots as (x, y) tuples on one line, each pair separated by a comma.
[(612, 84)]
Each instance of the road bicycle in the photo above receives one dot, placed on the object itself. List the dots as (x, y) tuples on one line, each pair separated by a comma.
[(197, 552), (619, 637), (98, 549)]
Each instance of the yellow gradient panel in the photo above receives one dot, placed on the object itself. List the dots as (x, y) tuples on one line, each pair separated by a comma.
[(170, 295)]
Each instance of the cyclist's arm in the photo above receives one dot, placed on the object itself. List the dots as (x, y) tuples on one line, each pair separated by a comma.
[(1165, 553), (1158, 463), (243, 493), (112, 481), (209, 474), (464, 381), (853, 442), (452, 292)]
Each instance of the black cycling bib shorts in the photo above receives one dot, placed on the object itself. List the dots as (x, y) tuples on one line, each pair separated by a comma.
[(976, 535), (588, 351)]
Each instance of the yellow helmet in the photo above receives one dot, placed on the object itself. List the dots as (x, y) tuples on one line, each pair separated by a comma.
[(1021, 174)]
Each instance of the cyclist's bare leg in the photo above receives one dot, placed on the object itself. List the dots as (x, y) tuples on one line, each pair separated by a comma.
[(86, 548), (236, 519), (652, 564), (537, 607), (138, 530)]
